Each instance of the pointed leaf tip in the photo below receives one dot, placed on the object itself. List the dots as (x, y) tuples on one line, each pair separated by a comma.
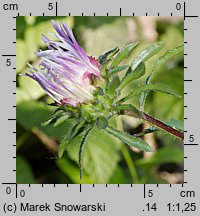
[(152, 87), (131, 75), (129, 140), (123, 53)]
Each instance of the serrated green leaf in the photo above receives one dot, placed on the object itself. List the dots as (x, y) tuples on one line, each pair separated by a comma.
[(101, 155), (61, 120), (72, 131), (104, 68), (129, 140), (47, 122), (81, 150), (112, 86), (146, 54), (65, 141), (123, 53), (116, 69), (163, 59), (151, 87), (176, 124), (62, 147), (133, 75), (105, 57), (53, 118), (76, 130)]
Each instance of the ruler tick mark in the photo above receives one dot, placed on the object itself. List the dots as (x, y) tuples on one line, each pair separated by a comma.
[(144, 191), (191, 144), (8, 55), (16, 189), (192, 16), (184, 12), (56, 8)]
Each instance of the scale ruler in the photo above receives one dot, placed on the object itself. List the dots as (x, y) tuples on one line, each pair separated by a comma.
[(128, 199)]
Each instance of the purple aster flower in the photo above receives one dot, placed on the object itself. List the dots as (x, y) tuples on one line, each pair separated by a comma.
[(66, 72)]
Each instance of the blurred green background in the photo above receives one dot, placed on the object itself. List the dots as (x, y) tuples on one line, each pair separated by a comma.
[(106, 159)]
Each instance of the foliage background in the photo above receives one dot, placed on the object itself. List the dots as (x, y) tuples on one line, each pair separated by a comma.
[(106, 159)]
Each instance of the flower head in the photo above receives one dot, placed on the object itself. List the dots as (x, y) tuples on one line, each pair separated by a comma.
[(66, 72)]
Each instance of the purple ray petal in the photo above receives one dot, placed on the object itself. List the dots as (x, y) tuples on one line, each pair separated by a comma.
[(66, 71)]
